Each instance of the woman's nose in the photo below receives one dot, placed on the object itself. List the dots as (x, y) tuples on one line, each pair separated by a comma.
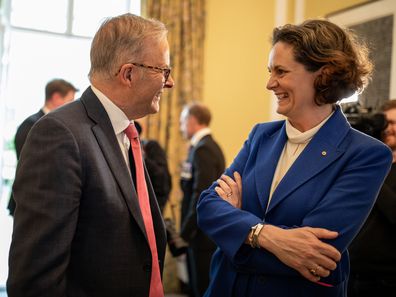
[(272, 83)]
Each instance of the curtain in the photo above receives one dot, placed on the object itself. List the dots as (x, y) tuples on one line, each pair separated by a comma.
[(185, 20)]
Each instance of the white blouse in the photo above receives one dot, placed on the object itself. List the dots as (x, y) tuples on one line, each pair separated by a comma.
[(295, 144)]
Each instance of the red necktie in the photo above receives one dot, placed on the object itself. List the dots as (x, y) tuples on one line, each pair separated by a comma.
[(156, 289)]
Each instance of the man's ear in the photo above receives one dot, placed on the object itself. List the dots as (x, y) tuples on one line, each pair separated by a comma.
[(126, 74)]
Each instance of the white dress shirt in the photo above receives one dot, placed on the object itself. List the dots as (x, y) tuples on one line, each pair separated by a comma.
[(118, 120)]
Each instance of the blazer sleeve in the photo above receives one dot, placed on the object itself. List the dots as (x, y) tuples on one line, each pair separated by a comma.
[(226, 225), (47, 192)]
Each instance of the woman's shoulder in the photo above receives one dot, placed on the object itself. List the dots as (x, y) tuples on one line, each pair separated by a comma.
[(266, 128), (363, 143)]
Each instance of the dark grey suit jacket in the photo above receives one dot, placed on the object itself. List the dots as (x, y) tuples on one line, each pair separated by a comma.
[(78, 229), (20, 138)]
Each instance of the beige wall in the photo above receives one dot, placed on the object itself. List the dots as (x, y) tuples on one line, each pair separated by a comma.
[(236, 53), (319, 8), (236, 49)]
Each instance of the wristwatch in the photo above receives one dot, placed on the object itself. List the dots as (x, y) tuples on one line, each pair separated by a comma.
[(254, 234)]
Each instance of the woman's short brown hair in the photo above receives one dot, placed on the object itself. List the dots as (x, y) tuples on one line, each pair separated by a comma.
[(346, 67)]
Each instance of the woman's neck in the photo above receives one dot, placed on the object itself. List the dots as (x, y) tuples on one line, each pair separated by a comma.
[(314, 118)]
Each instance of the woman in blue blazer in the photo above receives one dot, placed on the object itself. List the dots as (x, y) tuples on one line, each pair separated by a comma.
[(297, 193)]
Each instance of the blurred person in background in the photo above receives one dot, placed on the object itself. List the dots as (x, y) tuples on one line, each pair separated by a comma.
[(205, 163)]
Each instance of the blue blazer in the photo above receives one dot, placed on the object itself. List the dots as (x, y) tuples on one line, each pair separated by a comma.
[(333, 184)]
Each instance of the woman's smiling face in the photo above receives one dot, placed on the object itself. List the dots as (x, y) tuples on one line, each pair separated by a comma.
[(291, 83)]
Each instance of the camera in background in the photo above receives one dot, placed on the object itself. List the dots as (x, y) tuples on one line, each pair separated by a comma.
[(365, 120)]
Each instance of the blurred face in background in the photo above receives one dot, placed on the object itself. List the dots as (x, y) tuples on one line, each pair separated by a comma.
[(390, 131), (188, 124), (58, 100)]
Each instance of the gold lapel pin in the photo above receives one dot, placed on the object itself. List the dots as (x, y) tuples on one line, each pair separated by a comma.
[(324, 153)]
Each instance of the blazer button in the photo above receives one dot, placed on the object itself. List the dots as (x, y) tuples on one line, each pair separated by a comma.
[(147, 267)]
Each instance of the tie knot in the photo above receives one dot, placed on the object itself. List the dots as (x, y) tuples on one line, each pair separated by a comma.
[(131, 131)]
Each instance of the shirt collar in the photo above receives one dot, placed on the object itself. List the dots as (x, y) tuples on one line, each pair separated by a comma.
[(45, 109), (117, 117), (296, 136), (199, 135)]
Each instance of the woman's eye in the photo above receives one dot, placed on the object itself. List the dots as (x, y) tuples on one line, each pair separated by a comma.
[(280, 71)]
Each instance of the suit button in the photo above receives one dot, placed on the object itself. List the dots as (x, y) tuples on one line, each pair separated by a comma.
[(147, 267)]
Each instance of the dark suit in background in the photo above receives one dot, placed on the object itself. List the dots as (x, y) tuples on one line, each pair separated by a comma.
[(204, 165), (157, 167), (372, 252), (23, 131), (20, 138), (57, 93)]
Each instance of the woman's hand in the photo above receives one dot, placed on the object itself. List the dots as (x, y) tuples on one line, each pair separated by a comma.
[(302, 249), (230, 190)]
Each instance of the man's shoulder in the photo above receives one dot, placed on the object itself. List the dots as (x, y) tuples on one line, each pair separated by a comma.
[(70, 112), (28, 123), (207, 140), (209, 146)]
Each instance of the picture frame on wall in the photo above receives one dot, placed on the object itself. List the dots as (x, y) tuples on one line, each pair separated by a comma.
[(374, 22)]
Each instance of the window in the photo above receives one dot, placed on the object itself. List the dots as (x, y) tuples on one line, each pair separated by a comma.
[(41, 40)]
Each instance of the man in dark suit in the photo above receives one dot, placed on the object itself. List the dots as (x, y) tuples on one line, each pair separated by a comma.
[(205, 163), (79, 229), (57, 93)]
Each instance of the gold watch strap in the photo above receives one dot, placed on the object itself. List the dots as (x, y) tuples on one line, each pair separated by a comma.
[(254, 234)]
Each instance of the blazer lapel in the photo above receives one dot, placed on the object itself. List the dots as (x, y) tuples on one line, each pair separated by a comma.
[(267, 158), (104, 133), (322, 151)]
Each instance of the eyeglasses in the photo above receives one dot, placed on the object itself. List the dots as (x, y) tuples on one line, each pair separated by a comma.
[(165, 71)]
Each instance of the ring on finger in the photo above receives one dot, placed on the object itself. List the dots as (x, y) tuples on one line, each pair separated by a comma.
[(314, 271), (229, 194)]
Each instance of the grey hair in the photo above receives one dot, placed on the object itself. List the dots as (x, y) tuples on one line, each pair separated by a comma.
[(121, 39)]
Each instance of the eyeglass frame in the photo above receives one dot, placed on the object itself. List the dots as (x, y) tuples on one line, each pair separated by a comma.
[(165, 71)]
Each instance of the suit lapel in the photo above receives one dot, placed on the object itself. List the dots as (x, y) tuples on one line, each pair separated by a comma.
[(104, 133), (322, 151), (267, 158)]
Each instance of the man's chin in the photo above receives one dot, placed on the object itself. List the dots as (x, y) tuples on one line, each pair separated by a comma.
[(155, 107)]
